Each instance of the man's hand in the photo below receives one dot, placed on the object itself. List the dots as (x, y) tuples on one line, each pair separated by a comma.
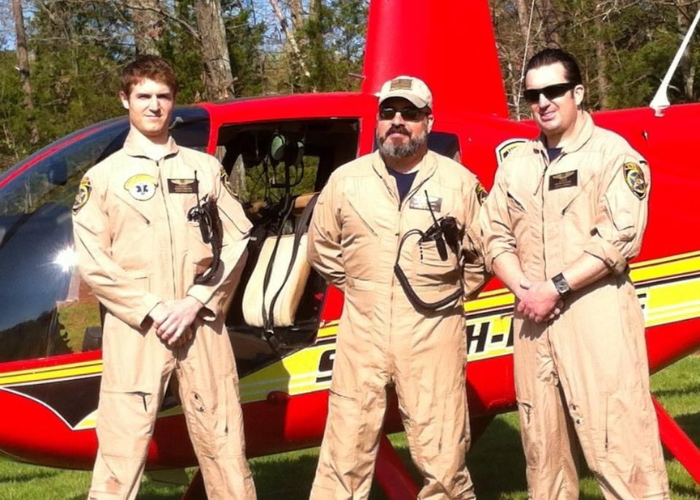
[(539, 301), (172, 320)]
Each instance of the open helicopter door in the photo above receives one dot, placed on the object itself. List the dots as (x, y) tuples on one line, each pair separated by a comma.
[(278, 168)]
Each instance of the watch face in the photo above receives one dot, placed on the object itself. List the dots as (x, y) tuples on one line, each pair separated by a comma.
[(561, 285)]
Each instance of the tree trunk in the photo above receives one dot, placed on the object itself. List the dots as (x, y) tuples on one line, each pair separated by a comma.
[(23, 66), (551, 37), (687, 65), (297, 14), (602, 77), (290, 37), (148, 26), (524, 23), (217, 62)]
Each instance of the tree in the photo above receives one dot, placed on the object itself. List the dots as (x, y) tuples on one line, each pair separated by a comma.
[(217, 62), (23, 66), (148, 26)]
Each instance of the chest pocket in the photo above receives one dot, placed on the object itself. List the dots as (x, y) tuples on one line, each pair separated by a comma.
[(517, 204), (429, 266), (434, 262), (358, 220), (359, 238)]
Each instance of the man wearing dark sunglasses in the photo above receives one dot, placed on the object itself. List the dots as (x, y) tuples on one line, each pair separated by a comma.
[(566, 214), (387, 210)]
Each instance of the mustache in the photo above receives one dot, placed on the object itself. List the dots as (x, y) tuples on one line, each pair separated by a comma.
[(397, 129)]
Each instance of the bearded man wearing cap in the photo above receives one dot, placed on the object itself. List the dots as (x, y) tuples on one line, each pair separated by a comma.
[(397, 231)]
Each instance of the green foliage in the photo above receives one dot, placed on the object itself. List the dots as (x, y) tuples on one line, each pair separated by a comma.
[(334, 44), (624, 48), (14, 119)]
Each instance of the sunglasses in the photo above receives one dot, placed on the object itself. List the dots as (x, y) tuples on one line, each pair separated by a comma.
[(551, 92), (408, 114)]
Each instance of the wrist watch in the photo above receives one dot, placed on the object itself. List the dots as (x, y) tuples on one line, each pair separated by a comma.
[(561, 285)]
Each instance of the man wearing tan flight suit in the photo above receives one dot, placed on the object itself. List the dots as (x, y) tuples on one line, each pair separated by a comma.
[(141, 223), (377, 212), (565, 216)]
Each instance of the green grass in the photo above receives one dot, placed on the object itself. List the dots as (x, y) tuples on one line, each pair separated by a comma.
[(496, 461)]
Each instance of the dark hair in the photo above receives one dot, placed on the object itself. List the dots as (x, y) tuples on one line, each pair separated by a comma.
[(546, 57), (152, 67)]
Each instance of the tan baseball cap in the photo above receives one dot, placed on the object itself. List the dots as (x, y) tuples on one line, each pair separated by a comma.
[(410, 88)]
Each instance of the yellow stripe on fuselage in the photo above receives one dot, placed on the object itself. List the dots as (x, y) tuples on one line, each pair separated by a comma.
[(668, 288)]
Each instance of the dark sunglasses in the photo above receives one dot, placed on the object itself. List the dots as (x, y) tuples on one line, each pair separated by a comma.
[(408, 114), (550, 92)]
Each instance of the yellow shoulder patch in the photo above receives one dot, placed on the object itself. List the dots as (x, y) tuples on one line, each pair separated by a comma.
[(634, 177), (481, 193), (83, 195)]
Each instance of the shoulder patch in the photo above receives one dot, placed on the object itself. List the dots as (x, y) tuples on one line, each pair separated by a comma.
[(507, 147), (481, 193), (83, 195), (634, 177), (141, 187), (223, 175)]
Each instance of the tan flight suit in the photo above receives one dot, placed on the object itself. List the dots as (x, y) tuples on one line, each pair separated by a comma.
[(382, 339), (136, 249), (585, 372)]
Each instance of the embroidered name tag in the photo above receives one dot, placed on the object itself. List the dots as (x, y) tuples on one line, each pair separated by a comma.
[(182, 186), (420, 202), (563, 180)]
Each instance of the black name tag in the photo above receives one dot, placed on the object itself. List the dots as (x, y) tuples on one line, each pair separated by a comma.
[(182, 186), (563, 180), (420, 202)]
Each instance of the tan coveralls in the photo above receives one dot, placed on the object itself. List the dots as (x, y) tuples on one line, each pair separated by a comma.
[(382, 339), (136, 249), (586, 371)]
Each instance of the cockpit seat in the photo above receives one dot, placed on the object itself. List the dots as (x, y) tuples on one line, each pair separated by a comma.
[(285, 284), (278, 281)]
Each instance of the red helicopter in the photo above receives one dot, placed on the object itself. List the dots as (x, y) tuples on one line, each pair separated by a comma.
[(285, 147)]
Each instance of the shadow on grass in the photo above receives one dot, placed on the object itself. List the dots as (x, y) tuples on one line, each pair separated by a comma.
[(686, 390), (691, 425), (149, 491), (31, 475), (285, 476)]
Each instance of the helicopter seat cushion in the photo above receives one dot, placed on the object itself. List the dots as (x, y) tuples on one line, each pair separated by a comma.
[(288, 292)]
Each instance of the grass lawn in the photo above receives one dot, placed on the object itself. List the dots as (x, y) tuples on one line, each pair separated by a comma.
[(496, 461)]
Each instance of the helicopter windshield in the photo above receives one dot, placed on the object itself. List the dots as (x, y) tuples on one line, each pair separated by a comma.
[(45, 311)]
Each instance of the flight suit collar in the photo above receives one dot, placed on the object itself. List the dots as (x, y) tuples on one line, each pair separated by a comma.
[(577, 143), (135, 145), (426, 169)]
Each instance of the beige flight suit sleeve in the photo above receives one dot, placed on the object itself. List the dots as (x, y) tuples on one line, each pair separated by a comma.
[(496, 232), (236, 230), (112, 285), (621, 213), (324, 244), (474, 271)]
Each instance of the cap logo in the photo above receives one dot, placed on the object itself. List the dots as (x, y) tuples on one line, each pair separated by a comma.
[(401, 84)]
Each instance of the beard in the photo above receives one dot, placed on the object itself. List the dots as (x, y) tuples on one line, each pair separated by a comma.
[(404, 150)]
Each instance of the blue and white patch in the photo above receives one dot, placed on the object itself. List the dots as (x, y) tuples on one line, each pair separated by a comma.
[(141, 187)]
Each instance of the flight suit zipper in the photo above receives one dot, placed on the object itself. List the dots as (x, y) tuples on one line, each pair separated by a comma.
[(547, 164), (170, 229)]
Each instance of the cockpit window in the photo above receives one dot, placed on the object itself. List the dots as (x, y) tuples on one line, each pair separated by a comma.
[(46, 308), (50, 176)]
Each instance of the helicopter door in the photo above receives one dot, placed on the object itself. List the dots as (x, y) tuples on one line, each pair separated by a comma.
[(277, 168)]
